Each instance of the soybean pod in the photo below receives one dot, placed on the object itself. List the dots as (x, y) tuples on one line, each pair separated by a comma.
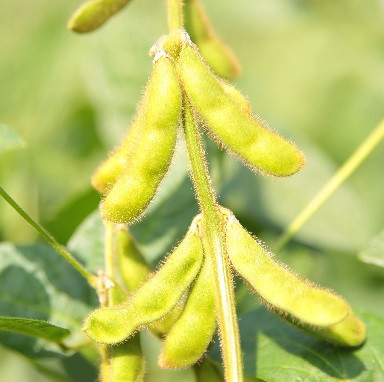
[(217, 54), (237, 96), (153, 299), (124, 362), (94, 13), (281, 290), (158, 119), (243, 135), (127, 363), (117, 163), (190, 336), (134, 270), (350, 332)]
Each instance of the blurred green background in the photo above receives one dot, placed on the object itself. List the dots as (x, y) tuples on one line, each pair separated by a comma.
[(313, 69)]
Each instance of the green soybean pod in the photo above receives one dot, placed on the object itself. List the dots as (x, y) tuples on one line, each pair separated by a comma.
[(133, 268), (217, 54), (93, 14), (237, 96), (280, 289), (243, 135), (153, 299), (159, 118), (190, 336), (125, 363), (112, 168), (350, 332)]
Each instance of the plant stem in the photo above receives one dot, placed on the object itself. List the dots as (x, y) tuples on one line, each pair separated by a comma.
[(175, 14), (360, 154), (214, 246), (92, 279)]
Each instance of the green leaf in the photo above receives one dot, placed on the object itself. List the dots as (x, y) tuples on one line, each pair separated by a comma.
[(34, 328), (36, 283), (374, 252), (276, 351), (71, 214), (87, 242), (9, 139)]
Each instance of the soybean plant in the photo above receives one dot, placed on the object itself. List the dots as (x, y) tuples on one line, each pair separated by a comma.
[(192, 292)]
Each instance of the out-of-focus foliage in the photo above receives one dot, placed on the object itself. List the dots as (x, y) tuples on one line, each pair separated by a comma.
[(311, 68)]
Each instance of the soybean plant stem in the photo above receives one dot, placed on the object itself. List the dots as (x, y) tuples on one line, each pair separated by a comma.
[(361, 153), (214, 247), (92, 279), (175, 14)]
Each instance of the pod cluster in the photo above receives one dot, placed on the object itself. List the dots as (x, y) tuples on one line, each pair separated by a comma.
[(131, 175), (178, 301), (186, 276)]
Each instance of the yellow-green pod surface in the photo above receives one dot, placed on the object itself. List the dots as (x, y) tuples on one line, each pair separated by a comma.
[(190, 336), (126, 363), (94, 14), (237, 96), (282, 291), (112, 168), (350, 332), (133, 268), (158, 117), (216, 53), (153, 299), (245, 136)]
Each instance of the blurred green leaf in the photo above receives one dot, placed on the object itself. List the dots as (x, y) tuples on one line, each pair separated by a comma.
[(276, 351), (87, 242), (374, 251), (34, 328), (38, 284), (71, 214), (9, 139)]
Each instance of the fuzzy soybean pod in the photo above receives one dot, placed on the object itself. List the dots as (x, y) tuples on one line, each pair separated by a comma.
[(350, 332), (127, 363), (134, 271), (189, 338), (94, 14), (112, 168), (158, 117), (280, 289), (237, 96), (124, 362), (153, 299), (218, 55), (243, 135)]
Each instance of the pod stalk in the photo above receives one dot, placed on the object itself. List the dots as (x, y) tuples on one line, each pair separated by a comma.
[(175, 15)]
